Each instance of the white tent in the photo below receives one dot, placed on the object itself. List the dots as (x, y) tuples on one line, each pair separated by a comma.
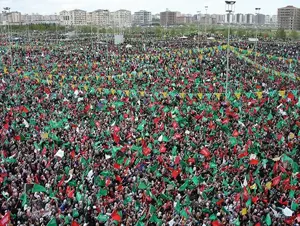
[(128, 46), (211, 38), (253, 39), (183, 37)]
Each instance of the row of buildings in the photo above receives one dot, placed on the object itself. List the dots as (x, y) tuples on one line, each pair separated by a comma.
[(287, 18)]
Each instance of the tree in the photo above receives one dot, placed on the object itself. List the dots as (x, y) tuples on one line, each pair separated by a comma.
[(241, 32), (281, 34), (294, 35)]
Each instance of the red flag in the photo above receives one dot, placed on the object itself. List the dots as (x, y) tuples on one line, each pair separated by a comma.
[(62, 180), (235, 133), (5, 220), (87, 108), (175, 173), (258, 224), (47, 90), (116, 138), (24, 109), (17, 137), (243, 154), (216, 223), (177, 160), (162, 148), (146, 151), (74, 223), (115, 216), (275, 167), (205, 152), (72, 154), (254, 162), (117, 166), (276, 180), (254, 199), (245, 194)]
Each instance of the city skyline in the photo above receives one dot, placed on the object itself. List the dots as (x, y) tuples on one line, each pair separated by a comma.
[(214, 6)]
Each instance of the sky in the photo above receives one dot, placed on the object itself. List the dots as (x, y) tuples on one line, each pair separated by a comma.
[(268, 7)]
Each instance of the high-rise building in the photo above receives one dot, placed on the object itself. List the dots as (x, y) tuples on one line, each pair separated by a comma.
[(100, 17), (249, 19), (260, 19), (73, 17), (120, 18), (142, 18), (289, 18), (239, 18), (12, 18), (168, 18)]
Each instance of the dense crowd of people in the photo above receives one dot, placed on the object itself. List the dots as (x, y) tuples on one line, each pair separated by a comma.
[(148, 135)]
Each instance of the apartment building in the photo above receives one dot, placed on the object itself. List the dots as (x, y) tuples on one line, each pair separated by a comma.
[(120, 18), (289, 18), (168, 18), (142, 18)]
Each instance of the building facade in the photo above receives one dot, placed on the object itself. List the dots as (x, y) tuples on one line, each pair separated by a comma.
[(142, 18), (120, 18), (260, 19), (168, 18), (289, 18), (240, 18), (12, 18), (100, 18), (249, 19)]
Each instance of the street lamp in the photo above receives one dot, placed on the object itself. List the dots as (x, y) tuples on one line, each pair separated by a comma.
[(257, 10), (199, 19), (229, 10), (206, 8), (7, 9)]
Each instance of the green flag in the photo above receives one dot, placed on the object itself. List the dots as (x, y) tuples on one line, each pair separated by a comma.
[(268, 220), (102, 218), (52, 222), (38, 188)]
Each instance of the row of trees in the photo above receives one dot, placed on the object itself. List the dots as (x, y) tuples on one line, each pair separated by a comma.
[(159, 31)]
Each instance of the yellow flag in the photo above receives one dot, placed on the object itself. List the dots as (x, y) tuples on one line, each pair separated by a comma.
[(127, 92), (75, 77), (38, 81), (182, 95), (218, 95), (50, 76), (63, 77), (5, 70), (113, 91), (259, 95), (253, 187), (73, 86), (165, 94), (109, 78), (44, 135), (100, 90), (97, 77), (244, 211), (85, 87), (238, 95), (86, 77), (200, 95), (142, 93), (282, 93), (268, 185)]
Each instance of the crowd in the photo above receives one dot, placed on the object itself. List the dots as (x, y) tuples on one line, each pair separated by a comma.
[(147, 135)]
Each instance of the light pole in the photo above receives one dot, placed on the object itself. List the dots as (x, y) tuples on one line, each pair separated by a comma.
[(206, 8), (199, 19), (257, 10), (229, 10), (7, 9)]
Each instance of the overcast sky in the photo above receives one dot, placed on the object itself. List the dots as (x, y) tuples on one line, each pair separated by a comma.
[(155, 6)]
